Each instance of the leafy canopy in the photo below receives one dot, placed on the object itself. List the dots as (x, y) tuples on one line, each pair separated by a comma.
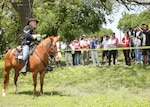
[(133, 20)]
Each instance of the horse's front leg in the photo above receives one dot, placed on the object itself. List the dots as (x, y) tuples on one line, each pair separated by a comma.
[(34, 75), (42, 75), (15, 81)]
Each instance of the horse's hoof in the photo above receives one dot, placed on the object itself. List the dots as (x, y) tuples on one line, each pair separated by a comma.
[(34, 97), (16, 92), (15, 89), (42, 94), (3, 93)]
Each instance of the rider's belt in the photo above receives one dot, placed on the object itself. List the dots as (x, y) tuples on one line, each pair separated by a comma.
[(26, 42)]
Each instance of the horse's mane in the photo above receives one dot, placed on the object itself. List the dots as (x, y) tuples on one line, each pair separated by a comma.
[(51, 38)]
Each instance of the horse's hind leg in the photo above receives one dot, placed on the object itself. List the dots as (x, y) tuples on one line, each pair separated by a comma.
[(5, 78), (41, 82), (15, 81)]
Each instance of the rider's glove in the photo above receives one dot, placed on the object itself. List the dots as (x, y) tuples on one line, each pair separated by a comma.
[(35, 36), (43, 36)]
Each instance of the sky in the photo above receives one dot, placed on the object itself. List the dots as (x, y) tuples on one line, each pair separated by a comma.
[(116, 18)]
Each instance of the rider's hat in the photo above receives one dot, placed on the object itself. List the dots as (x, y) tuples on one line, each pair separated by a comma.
[(32, 19)]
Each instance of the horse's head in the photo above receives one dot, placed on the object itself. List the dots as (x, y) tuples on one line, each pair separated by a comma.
[(54, 46)]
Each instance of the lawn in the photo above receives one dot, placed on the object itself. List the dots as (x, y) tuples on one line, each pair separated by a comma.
[(83, 86)]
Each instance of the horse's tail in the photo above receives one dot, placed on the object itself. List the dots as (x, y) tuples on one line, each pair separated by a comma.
[(5, 79)]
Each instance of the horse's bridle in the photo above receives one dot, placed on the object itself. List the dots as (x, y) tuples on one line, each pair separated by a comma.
[(49, 55)]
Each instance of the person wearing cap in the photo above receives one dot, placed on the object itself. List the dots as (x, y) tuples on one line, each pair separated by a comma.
[(28, 37), (85, 52)]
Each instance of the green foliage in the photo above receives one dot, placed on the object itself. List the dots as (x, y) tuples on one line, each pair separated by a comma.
[(46, 19), (10, 26), (104, 31), (144, 17), (128, 21), (133, 20), (100, 33), (69, 18)]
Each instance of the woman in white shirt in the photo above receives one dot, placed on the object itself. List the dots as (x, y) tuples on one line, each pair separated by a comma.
[(112, 52)]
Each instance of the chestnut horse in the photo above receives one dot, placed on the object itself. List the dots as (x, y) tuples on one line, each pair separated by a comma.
[(36, 63)]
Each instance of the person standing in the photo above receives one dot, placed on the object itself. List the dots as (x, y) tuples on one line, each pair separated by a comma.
[(76, 45), (117, 44), (146, 42), (105, 49), (126, 44), (131, 35), (85, 52), (137, 44), (94, 52), (72, 52), (112, 51), (68, 55), (28, 37)]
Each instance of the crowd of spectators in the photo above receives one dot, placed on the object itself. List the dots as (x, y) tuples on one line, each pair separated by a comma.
[(79, 52)]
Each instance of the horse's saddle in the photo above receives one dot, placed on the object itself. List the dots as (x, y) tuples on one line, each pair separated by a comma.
[(19, 54)]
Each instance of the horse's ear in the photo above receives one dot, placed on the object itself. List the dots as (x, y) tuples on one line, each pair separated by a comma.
[(58, 37), (51, 37)]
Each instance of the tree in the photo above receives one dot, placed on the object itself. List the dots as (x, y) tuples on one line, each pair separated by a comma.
[(133, 2), (102, 32), (10, 25), (133, 20), (71, 18), (24, 9), (144, 17), (128, 21)]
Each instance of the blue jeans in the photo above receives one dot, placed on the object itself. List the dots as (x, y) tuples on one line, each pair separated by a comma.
[(95, 57), (25, 52), (68, 58), (112, 53), (138, 55), (77, 58)]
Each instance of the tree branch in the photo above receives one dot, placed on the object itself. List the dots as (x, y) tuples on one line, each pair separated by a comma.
[(139, 2)]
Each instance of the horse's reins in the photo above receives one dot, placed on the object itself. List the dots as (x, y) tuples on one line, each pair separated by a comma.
[(45, 65)]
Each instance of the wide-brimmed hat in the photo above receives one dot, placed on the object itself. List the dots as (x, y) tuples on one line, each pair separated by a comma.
[(32, 19), (83, 35)]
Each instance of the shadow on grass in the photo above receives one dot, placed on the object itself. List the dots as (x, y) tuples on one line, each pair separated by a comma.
[(52, 93), (55, 93)]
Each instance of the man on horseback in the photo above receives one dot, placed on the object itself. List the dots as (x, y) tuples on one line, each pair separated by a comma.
[(28, 37)]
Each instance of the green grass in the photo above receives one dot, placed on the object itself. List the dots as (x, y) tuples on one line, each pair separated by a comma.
[(79, 86)]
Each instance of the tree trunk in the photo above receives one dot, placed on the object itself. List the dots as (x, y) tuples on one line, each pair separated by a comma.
[(24, 9)]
